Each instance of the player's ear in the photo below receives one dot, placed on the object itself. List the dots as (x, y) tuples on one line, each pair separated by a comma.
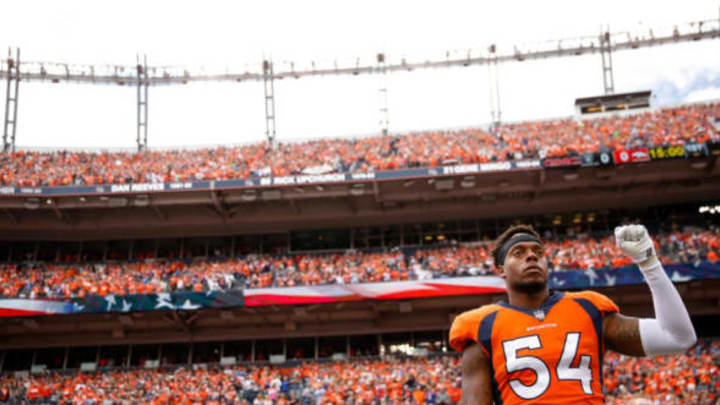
[(501, 271)]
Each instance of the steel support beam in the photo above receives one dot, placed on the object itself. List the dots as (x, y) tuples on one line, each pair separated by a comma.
[(269, 86), (383, 95), (12, 76), (142, 103), (56, 210), (606, 56), (219, 204), (494, 89)]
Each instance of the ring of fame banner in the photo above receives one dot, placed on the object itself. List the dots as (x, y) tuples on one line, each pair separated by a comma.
[(400, 290), (607, 157)]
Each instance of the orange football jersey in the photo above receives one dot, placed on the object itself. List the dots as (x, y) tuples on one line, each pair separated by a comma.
[(549, 355)]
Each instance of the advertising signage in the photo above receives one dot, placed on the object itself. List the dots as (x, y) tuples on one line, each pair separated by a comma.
[(562, 162), (696, 150), (596, 159), (632, 156)]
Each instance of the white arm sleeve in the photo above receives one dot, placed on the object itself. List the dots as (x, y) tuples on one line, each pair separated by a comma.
[(671, 331)]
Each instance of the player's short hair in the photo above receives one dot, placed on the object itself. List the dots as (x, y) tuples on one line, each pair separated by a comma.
[(505, 236)]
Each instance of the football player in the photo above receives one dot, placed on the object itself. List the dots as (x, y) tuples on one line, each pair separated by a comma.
[(547, 347)]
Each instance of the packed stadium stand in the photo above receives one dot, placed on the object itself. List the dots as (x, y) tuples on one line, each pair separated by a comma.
[(55, 279), (692, 378), (285, 288), (540, 139)]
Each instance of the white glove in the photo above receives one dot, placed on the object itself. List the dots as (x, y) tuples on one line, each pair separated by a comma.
[(636, 243)]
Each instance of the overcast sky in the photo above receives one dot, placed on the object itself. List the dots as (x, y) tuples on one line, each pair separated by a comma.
[(224, 34)]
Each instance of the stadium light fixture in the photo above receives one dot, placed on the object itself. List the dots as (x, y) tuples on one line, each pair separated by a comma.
[(117, 202), (467, 184), (699, 165), (271, 195), (444, 184), (571, 176), (126, 320), (709, 209), (389, 204), (142, 200), (357, 190), (249, 196), (32, 203)]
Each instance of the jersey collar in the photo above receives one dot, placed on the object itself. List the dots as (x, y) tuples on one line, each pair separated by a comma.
[(540, 312)]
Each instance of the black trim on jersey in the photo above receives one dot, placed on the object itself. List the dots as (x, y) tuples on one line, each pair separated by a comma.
[(597, 320), (484, 338), (549, 302)]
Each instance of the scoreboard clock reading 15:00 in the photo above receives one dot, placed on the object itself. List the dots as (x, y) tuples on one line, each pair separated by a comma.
[(667, 152)]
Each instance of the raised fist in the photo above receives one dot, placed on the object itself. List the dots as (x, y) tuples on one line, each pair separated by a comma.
[(636, 243)]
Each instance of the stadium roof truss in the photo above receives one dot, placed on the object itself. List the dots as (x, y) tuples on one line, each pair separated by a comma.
[(141, 75)]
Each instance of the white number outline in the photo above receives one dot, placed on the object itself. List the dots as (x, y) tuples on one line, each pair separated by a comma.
[(567, 358), (532, 342)]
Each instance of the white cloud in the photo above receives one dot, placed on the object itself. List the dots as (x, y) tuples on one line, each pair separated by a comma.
[(707, 94)]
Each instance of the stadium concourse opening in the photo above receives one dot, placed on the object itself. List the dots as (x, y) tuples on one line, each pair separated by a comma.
[(272, 351)]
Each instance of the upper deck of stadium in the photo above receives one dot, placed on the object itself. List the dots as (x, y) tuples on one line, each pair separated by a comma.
[(678, 125)]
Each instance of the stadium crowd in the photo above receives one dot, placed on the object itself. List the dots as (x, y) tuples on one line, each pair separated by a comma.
[(433, 380), (539, 139), (557, 138), (58, 279), (692, 378)]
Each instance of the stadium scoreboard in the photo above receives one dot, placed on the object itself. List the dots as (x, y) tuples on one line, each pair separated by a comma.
[(613, 102)]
